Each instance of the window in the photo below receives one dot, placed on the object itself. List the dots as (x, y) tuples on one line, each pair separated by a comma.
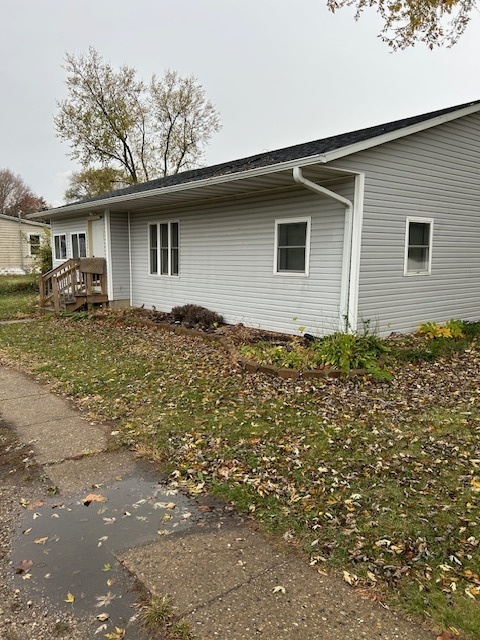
[(418, 246), (60, 245), (292, 246), (34, 243), (164, 248), (79, 245)]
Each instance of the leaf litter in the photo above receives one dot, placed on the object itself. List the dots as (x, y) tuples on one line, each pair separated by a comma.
[(382, 475)]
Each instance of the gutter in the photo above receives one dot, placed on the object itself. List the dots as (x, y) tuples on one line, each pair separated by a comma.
[(351, 245), (148, 193)]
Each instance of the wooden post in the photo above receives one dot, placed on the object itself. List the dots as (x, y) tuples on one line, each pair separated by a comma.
[(56, 296), (41, 288)]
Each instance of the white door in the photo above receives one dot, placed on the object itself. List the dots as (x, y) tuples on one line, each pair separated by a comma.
[(97, 238)]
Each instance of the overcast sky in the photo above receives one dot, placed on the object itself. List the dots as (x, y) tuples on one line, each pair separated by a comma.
[(280, 72)]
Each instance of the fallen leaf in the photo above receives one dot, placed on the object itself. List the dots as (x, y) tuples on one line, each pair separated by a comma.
[(351, 578), (103, 616), (116, 635), (101, 628), (40, 540), (70, 597), (104, 601), (164, 505), (34, 505), (93, 497), (23, 566), (107, 567)]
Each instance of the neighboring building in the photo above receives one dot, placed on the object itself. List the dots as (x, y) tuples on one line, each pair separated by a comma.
[(381, 224), (19, 244)]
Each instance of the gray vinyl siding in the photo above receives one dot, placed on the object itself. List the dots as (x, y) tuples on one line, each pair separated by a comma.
[(119, 256), (67, 227), (227, 257), (432, 174)]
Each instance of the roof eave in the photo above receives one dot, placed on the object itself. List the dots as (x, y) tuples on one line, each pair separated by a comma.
[(323, 158), (104, 203)]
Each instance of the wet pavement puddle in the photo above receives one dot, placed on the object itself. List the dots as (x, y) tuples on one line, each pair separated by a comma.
[(66, 551)]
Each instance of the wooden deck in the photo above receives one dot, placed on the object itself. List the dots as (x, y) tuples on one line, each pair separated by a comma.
[(74, 284)]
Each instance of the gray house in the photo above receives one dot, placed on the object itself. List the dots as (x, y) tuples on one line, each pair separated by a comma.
[(380, 224)]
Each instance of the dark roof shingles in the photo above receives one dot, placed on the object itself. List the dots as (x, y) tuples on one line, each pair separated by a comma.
[(296, 152)]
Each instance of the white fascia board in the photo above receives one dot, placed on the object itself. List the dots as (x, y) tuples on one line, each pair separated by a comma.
[(230, 177), (399, 133)]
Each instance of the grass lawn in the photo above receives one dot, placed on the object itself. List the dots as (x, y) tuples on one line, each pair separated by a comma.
[(18, 296), (378, 478)]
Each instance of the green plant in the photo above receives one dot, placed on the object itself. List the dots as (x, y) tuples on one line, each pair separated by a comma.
[(451, 329), (155, 612), (347, 351), (44, 258)]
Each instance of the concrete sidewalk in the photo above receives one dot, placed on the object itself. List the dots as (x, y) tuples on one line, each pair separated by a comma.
[(224, 578)]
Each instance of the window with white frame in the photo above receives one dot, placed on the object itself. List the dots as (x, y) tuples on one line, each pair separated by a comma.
[(34, 244), (163, 248), (79, 245), (418, 246), (60, 246), (292, 246)]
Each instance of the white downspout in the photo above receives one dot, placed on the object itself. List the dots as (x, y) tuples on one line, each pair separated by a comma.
[(345, 316), (130, 257), (108, 254)]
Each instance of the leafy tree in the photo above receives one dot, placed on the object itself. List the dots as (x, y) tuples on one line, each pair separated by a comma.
[(94, 182), (17, 197), (113, 119), (406, 22)]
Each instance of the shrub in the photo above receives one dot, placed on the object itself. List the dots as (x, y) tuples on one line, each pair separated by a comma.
[(193, 316), (343, 351), (347, 351), (44, 259), (11, 285)]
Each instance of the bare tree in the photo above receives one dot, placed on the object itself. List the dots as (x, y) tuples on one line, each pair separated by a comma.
[(183, 121), (146, 130)]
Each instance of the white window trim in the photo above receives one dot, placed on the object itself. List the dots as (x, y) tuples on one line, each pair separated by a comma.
[(30, 234), (158, 274), (423, 272), (59, 235), (77, 233), (289, 274)]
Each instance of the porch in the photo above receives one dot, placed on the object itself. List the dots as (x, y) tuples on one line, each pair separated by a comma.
[(73, 284)]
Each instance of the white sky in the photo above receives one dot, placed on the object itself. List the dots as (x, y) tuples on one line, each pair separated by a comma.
[(280, 72)]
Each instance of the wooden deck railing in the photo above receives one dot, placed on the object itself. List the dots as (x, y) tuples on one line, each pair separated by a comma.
[(74, 283)]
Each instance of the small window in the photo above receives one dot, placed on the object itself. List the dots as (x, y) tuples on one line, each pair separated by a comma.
[(418, 246), (79, 245), (164, 248), (60, 244), (34, 243), (292, 246)]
